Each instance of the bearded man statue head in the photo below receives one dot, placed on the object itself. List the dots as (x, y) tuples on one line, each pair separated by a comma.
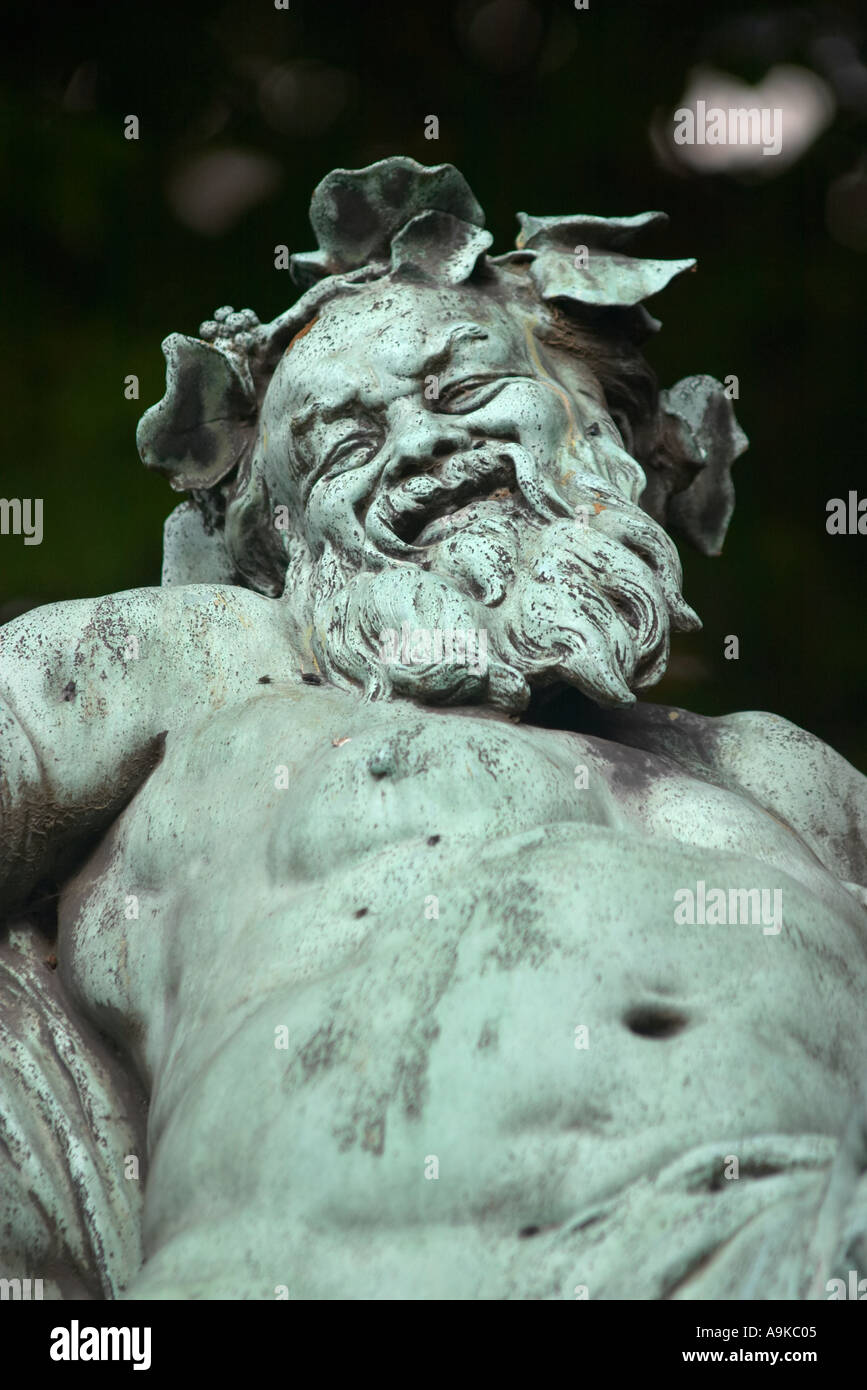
[(455, 470)]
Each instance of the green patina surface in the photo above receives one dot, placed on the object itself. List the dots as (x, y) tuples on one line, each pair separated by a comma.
[(403, 947)]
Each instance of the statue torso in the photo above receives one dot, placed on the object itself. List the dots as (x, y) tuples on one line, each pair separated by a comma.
[(381, 936)]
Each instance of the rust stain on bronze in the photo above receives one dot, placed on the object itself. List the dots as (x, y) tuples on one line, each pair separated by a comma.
[(300, 334)]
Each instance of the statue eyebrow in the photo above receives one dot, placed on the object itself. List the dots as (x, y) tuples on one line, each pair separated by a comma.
[(441, 355), (304, 420)]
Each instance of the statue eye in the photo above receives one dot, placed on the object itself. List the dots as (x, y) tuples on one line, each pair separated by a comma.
[(354, 450), (470, 394)]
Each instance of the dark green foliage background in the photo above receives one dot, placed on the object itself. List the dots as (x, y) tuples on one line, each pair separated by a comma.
[(97, 270)]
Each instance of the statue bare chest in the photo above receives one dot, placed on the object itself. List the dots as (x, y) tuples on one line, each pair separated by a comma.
[(269, 849)]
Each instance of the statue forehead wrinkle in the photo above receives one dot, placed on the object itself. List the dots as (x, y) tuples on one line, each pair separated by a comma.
[(404, 360), (374, 354)]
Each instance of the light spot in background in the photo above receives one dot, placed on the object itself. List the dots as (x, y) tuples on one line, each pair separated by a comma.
[(805, 101), (303, 98), (502, 35), (210, 192)]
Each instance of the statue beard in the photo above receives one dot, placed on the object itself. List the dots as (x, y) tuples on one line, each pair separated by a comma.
[(482, 580)]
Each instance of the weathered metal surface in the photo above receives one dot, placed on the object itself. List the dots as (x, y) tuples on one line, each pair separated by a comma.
[(375, 877)]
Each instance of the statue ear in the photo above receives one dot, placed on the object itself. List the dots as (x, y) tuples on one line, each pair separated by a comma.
[(205, 423), (702, 439)]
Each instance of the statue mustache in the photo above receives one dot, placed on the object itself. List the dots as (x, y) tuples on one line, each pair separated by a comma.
[(490, 470), (556, 562), (508, 477)]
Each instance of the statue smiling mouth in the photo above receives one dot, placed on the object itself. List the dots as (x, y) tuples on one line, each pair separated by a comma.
[(428, 507)]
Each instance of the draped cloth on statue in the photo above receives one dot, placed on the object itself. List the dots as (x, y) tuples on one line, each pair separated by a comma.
[(69, 1124), (793, 1219)]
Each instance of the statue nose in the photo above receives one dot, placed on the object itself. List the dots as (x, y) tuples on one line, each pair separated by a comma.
[(422, 443)]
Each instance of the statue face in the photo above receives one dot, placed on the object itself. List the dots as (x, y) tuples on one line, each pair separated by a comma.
[(372, 411), (447, 474)]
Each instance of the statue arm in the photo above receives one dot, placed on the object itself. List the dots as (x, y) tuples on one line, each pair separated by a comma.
[(75, 740), (89, 691)]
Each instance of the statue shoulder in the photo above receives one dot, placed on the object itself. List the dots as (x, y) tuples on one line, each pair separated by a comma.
[(89, 690), (791, 773), (797, 776), (794, 775), (149, 639)]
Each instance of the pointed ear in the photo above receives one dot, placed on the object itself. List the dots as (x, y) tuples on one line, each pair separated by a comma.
[(205, 423)]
